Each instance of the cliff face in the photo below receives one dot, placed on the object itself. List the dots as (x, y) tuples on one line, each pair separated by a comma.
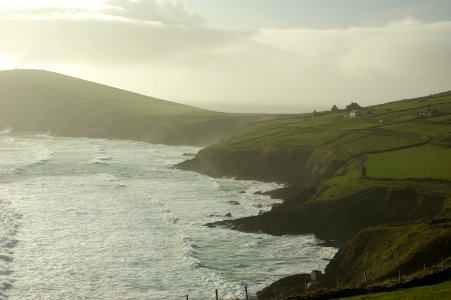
[(305, 168), (342, 219), (301, 164)]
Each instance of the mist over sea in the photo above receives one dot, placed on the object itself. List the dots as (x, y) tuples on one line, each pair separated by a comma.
[(106, 219)]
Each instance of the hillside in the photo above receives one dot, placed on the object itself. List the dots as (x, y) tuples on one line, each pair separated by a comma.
[(344, 174), (346, 177), (33, 100), (382, 253), (441, 291)]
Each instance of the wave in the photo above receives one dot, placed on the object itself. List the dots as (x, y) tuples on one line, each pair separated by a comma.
[(104, 158), (100, 150), (6, 130), (42, 155), (8, 230), (19, 154), (47, 135), (98, 162), (111, 179), (101, 160)]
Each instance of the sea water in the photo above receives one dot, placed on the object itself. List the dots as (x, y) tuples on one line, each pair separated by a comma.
[(110, 219)]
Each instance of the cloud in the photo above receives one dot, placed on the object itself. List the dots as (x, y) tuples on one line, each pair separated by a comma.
[(265, 70), (162, 11), (402, 59), (390, 49), (165, 11), (104, 42)]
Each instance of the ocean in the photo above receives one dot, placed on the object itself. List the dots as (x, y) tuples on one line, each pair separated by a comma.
[(89, 218)]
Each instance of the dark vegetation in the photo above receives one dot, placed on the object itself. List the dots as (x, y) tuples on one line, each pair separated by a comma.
[(32, 100)]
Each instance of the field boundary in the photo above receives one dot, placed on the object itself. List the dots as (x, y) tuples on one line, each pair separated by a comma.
[(425, 280)]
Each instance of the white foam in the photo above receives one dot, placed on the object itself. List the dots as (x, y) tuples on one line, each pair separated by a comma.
[(134, 229), (6, 131), (9, 225), (47, 135), (97, 161), (104, 158)]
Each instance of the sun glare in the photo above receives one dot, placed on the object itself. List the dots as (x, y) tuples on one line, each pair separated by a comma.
[(34, 4), (6, 64)]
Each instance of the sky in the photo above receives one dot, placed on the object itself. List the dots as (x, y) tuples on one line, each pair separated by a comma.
[(281, 56)]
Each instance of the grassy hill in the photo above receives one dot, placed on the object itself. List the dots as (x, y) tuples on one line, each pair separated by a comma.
[(384, 126), (334, 144), (346, 175), (383, 251), (440, 291), (379, 254), (384, 142), (33, 100), (387, 165)]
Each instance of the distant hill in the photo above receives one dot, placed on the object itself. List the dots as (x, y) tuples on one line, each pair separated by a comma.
[(35, 100)]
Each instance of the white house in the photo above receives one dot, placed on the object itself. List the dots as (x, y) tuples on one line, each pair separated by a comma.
[(355, 113)]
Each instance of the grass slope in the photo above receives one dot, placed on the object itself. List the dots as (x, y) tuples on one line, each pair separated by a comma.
[(383, 251), (390, 142), (390, 137), (33, 100), (440, 291), (387, 126), (427, 161), (350, 174)]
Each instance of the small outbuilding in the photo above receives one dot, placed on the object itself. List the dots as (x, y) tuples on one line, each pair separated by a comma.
[(355, 113)]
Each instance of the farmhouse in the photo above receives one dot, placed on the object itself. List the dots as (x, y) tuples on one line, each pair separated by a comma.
[(355, 113)]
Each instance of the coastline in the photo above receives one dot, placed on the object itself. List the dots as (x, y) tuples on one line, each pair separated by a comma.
[(337, 223)]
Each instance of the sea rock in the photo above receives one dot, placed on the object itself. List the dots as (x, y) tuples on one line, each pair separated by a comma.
[(233, 202)]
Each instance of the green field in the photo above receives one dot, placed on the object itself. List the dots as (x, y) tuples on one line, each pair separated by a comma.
[(388, 126), (427, 161), (380, 136), (348, 176), (440, 291)]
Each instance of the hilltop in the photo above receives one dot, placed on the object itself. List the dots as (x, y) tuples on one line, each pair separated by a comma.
[(35, 100)]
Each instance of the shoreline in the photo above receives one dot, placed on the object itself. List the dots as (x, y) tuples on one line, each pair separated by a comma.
[(335, 222)]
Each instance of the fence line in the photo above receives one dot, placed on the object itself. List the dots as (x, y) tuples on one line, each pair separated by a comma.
[(441, 266)]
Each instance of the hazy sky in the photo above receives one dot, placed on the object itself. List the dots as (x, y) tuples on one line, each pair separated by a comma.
[(238, 55)]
